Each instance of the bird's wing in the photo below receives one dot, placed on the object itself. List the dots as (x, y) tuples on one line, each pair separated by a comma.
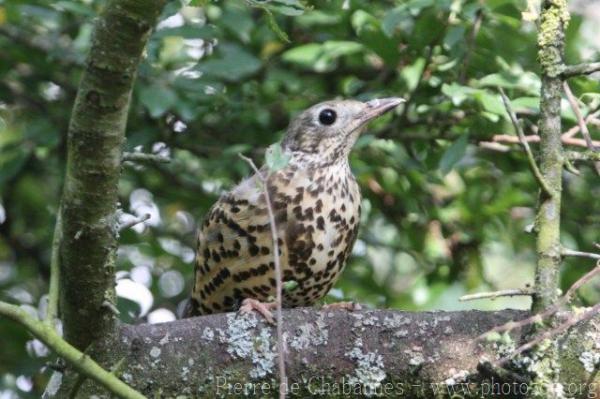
[(234, 250)]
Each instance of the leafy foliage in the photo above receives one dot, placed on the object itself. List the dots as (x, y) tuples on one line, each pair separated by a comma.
[(442, 216)]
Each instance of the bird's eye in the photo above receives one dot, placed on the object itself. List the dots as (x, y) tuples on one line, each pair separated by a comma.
[(327, 116)]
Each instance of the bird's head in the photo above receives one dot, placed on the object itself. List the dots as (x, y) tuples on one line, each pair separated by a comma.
[(327, 131)]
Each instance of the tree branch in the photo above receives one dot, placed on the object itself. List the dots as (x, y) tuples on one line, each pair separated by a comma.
[(580, 254), (581, 122), (80, 361), (583, 155), (497, 294), (143, 157), (534, 138), (553, 20), (375, 351), (569, 71)]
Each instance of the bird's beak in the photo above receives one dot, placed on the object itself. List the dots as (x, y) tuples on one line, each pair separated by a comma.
[(378, 107)]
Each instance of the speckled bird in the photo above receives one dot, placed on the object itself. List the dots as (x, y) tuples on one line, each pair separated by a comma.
[(316, 203)]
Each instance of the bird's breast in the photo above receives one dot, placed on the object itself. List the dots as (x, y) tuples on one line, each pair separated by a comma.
[(322, 207)]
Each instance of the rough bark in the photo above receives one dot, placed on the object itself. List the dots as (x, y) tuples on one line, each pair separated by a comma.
[(553, 21), (96, 135), (384, 352)]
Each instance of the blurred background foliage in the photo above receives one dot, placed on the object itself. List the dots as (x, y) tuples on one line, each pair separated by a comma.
[(442, 216)]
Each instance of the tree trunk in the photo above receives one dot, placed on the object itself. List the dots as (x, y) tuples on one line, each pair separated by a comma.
[(89, 201)]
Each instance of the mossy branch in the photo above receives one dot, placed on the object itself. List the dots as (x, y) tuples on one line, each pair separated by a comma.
[(80, 361), (569, 71)]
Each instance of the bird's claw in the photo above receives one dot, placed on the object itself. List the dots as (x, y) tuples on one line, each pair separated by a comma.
[(263, 308)]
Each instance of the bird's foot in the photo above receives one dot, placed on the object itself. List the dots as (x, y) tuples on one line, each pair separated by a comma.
[(264, 308), (349, 306)]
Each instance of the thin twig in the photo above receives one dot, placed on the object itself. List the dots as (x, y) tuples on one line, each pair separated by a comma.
[(511, 325), (579, 254), (532, 164), (54, 285), (497, 294), (278, 280), (570, 167), (591, 118), (534, 138), (143, 157), (588, 314), (580, 121), (133, 222), (490, 145), (569, 71), (583, 155)]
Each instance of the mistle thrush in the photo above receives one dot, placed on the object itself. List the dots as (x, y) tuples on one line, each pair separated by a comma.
[(316, 204)]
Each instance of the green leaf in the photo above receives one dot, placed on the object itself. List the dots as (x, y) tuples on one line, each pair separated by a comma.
[(234, 64), (275, 158), (411, 73), (392, 19), (491, 102), (456, 92), (305, 55), (453, 154), (290, 8), (521, 80), (157, 99), (289, 285), (11, 163), (321, 57), (526, 104), (198, 3), (74, 7)]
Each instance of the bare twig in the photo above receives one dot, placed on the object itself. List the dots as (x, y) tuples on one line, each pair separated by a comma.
[(569, 71), (591, 118), (532, 164), (497, 294), (143, 157), (580, 121), (490, 145), (534, 138), (278, 279), (133, 222), (579, 254), (588, 314), (511, 325)]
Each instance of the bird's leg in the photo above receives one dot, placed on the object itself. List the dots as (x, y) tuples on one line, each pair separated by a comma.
[(349, 306), (264, 308)]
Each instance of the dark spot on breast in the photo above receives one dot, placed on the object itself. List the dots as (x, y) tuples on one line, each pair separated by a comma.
[(321, 223)]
